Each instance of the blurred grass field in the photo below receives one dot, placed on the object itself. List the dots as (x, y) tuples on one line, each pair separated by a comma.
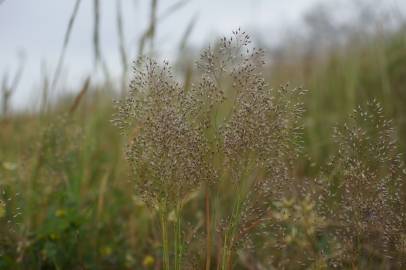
[(67, 197)]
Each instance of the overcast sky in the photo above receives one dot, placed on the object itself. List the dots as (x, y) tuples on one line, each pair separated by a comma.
[(35, 29)]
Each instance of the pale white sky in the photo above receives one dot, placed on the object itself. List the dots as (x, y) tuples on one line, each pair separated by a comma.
[(37, 28)]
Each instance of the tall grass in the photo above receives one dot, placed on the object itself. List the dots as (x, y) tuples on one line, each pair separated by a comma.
[(219, 171)]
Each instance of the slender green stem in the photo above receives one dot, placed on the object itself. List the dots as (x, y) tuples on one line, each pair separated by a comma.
[(165, 241), (225, 252), (178, 239), (208, 229), (230, 233)]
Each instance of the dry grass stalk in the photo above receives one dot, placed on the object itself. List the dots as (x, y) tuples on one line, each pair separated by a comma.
[(80, 96), (149, 34), (65, 44), (122, 47)]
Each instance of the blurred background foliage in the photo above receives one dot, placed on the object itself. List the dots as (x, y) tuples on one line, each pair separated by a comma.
[(66, 197)]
